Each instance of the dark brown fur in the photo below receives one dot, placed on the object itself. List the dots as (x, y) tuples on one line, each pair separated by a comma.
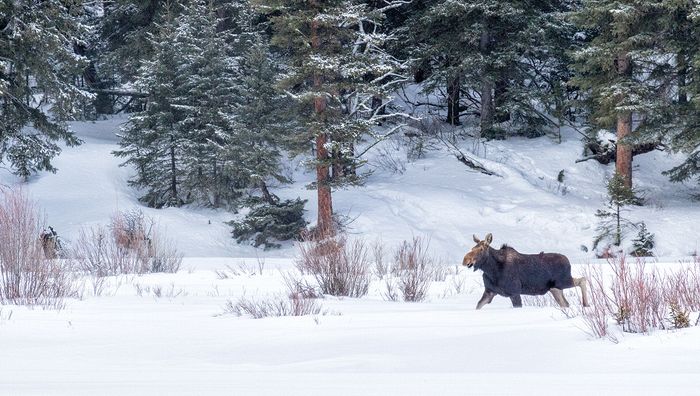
[(508, 273)]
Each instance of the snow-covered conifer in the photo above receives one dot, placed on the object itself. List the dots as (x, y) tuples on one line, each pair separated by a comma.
[(336, 66), (37, 67)]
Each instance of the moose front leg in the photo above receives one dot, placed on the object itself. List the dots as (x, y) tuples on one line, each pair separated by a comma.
[(486, 298), (558, 295), (517, 302)]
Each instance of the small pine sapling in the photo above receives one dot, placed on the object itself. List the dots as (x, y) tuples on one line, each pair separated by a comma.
[(643, 244), (613, 225)]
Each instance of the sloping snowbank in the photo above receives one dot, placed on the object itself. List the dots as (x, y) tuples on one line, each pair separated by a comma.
[(436, 197)]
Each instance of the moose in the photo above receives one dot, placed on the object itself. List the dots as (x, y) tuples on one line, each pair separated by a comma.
[(510, 274)]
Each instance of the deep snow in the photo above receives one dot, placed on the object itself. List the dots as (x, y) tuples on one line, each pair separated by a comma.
[(129, 341), (125, 343)]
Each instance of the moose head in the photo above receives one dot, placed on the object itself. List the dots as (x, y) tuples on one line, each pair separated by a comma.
[(477, 251)]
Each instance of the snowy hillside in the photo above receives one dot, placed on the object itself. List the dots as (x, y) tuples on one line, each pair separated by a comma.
[(436, 196), (168, 334)]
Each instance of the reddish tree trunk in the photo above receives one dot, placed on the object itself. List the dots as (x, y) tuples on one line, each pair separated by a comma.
[(325, 202), (623, 160)]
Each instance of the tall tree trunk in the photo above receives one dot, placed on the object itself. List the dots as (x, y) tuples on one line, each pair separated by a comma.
[(682, 63), (325, 202), (173, 171), (623, 160), (216, 185), (486, 85), (453, 97), (499, 95)]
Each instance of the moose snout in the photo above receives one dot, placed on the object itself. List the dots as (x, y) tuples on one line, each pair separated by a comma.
[(467, 262)]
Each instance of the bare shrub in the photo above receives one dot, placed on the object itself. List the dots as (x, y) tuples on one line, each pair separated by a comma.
[(640, 300), (159, 291), (130, 244), (596, 316), (340, 268), (637, 302), (131, 229), (413, 270), (380, 265), (94, 284), (683, 287), (298, 286), (27, 276), (242, 268), (439, 273), (539, 301), (274, 306), (391, 291), (388, 159), (163, 254), (457, 281), (97, 253)]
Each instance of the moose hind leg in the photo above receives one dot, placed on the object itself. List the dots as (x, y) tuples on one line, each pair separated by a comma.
[(583, 284), (558, 295), (486, 298), (517, 301)]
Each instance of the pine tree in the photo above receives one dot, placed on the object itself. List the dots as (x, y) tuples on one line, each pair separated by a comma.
[(37, 68), (254, 145), (336, 67), (643, 244), (613, 224), (211, 131), (152, 140), (616, 68), (682, 117), (123, 40), (505, 51), (208, 97)]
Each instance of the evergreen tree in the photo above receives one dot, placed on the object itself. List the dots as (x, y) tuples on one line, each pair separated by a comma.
[(253, 147), (336, 67), (152, 139), (123, 40), (505, 51), (643, 244), (211, 131), (617, 68), (682, 118), (37, 68), (208, 96), (613, 224)]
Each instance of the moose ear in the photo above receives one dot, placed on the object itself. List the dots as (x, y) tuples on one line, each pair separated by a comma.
[(489, 238), (477, 240)]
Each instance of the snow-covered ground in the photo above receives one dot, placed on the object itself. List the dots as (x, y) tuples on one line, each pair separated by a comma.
[(127, 340)]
